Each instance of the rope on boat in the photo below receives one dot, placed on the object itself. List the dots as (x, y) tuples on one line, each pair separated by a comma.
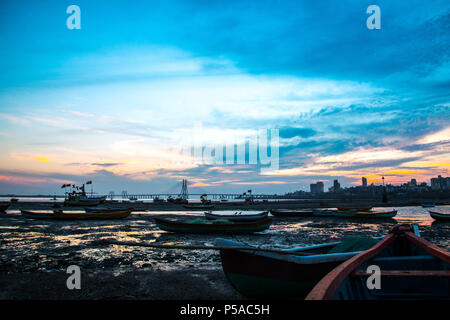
[(192, 247)]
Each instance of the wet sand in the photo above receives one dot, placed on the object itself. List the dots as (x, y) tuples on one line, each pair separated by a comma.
[(34, 255)]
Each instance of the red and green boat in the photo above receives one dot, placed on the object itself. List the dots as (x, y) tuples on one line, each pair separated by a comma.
[(291, 274), (410, 268)]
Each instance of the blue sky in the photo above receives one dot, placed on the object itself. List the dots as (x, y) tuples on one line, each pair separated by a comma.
[(112, 101)]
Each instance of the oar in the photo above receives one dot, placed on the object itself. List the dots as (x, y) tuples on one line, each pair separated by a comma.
[(190, 247)]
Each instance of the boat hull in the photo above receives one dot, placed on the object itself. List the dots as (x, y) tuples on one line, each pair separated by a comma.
[(444, 217), (37, 215), (237, 217), (185, 227), (355, 215), (198, 207), (411, 269), (257, 276), (4, 207), (354, 208), (291, 213), (119, 214)]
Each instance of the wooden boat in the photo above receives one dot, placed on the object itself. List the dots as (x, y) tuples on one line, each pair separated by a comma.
[(238, 216), (355, 214), (411, 269), (104, 210), (428, 205), (198, 206), (4, 206), (354, 208), (117, 214), (276, 275), (61, 215), (212, 227), (82, 202), (291, 213), (38, 215), (440, 216)]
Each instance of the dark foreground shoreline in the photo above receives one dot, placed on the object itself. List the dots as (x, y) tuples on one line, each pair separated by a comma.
[(35, 254)]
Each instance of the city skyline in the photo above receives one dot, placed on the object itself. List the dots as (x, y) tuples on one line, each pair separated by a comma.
[(112, 101)]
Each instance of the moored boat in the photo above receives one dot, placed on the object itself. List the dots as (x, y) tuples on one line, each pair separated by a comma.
[(440, 216), (355, 214), (198, 206), (411, 268), (217, 226), (354, 208), (276, 275), (67, 215), (238, 216), (104, 210), (428, 205), (291, 213), (4, 206), (38, 215)]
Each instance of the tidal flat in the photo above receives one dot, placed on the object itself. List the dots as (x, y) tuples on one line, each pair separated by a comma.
[(35, 254)]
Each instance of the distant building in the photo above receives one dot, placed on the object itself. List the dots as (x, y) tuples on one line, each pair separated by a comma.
[(364, 182), (316, 188), (413, 182), (319, 187), (336, 186), (440, 183)]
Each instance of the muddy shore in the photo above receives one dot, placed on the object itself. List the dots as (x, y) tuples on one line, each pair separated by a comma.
[(260, 205), (34, 255)]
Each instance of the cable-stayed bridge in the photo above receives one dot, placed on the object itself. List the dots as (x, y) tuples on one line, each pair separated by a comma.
[(184, 194)]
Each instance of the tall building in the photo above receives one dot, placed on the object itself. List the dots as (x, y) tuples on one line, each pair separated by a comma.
[(413, 182), (316, 188), (319, 187), (440, 183), (336, 186), (364, 182)]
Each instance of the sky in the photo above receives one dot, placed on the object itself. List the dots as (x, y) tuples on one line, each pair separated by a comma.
[(117, 100)]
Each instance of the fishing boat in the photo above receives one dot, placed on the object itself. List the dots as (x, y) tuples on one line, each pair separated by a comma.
[(445, 217), (237, 216), (178, 200), (355, 214), (217, 226), (292, 274), (198, 206), (354, 208), (67, 215), (103, 210), (291, 213), (4, 206), (79, 198), (82, 202), (428, 205), (38, 215), (411, 269), (64, 215)]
